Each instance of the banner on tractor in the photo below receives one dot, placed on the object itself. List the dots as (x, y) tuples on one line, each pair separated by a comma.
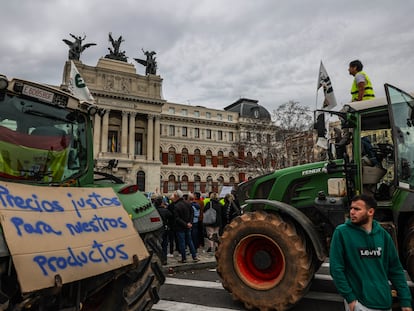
[(70, 233)]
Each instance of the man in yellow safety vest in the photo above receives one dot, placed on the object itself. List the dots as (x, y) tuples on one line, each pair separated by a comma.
[(361, 87)]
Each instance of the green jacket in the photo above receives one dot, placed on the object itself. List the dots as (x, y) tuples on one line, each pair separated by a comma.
[(361, 264)]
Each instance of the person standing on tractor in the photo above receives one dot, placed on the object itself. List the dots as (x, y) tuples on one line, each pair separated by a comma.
[(363, 258), (361, 87)]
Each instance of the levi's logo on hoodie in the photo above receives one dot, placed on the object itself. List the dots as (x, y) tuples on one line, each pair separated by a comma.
[(370, 253)]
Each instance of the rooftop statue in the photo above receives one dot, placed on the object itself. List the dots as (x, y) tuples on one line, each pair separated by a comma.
[(76, 47), (114, 52), (150, 63)]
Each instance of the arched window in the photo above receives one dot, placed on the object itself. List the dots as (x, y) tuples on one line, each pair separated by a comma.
[(209, 156), (171, 155), (232, 181), (184, 183), (197, 157), (171, 183), (141, 180), (184, 155), (113, 141), (220, 158), (160, 154), (197, 183), (209, 185), (220, 181)]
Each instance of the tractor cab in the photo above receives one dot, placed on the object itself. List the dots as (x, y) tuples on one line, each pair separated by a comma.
[(41, 139)]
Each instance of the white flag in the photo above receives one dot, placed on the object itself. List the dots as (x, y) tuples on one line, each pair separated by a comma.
[(325, 82), (77, 85)]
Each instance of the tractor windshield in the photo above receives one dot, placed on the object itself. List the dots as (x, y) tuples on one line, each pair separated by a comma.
[(402, 115), (39, 142)]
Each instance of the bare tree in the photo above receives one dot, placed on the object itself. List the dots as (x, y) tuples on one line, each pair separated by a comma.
[(257, 148), (261, 147), (296, 123), (293, 118)]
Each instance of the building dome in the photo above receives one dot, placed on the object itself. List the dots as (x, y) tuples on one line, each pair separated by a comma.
[(249, 108)]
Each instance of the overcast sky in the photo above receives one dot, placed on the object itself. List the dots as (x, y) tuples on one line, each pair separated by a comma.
[(212, 52)]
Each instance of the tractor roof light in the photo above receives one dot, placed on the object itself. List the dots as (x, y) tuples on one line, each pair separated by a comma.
[(92, 110), (4, 83)]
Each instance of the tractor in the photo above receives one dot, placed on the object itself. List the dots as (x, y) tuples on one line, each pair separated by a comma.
[(267, 257), (72, 238)]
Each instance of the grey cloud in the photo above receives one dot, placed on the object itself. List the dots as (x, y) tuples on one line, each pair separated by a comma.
[(212, 52)]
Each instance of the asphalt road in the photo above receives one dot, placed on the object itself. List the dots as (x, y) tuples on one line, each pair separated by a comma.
[(201, 290)]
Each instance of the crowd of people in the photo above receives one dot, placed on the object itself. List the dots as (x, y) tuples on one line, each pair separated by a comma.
[(186, 230)]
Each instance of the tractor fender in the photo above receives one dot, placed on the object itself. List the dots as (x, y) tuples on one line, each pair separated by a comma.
[(304, 221)]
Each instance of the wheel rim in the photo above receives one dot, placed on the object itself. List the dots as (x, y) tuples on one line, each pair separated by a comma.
[(259, 261)]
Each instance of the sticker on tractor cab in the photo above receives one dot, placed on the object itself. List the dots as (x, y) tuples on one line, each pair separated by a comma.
[(38, 93), (312, 171), (74, 233)]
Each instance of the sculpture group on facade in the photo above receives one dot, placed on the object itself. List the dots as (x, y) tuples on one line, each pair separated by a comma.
[(149, 63), (76, 48), (115, 52)]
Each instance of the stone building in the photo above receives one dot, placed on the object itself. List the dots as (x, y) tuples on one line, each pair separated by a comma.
[(127, 129), (196, 144), (161, 146)]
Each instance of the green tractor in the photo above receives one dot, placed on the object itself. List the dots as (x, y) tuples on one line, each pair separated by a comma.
[(72, 238), (267, 257)]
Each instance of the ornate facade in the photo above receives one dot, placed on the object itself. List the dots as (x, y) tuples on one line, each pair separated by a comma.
[(127, 130), (162, 146), (196, 144)]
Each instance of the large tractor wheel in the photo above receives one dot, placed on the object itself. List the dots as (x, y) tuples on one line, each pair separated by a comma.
[(138, 289), (263, 260), (152, 241), (409, 248)]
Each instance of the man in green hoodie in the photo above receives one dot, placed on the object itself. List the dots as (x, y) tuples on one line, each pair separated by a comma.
[(363, 258)]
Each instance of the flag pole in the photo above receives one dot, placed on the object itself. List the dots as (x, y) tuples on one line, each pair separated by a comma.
[(317, 90), (318, 86)]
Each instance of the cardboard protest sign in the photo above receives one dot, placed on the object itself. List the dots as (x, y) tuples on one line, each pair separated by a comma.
[(71, 232), (225, 190)]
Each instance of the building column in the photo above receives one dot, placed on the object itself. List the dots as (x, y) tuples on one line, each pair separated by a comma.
[(150, 138), (157, 138), (96, 135), (124, 133), (132, 134), (104, 136)]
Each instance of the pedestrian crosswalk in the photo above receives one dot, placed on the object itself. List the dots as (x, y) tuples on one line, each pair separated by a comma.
[(194, 283), (322, 293), (165, 305)]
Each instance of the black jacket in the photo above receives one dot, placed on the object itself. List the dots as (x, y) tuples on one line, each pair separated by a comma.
[(230, 211), (183, 213), (166, 216)]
